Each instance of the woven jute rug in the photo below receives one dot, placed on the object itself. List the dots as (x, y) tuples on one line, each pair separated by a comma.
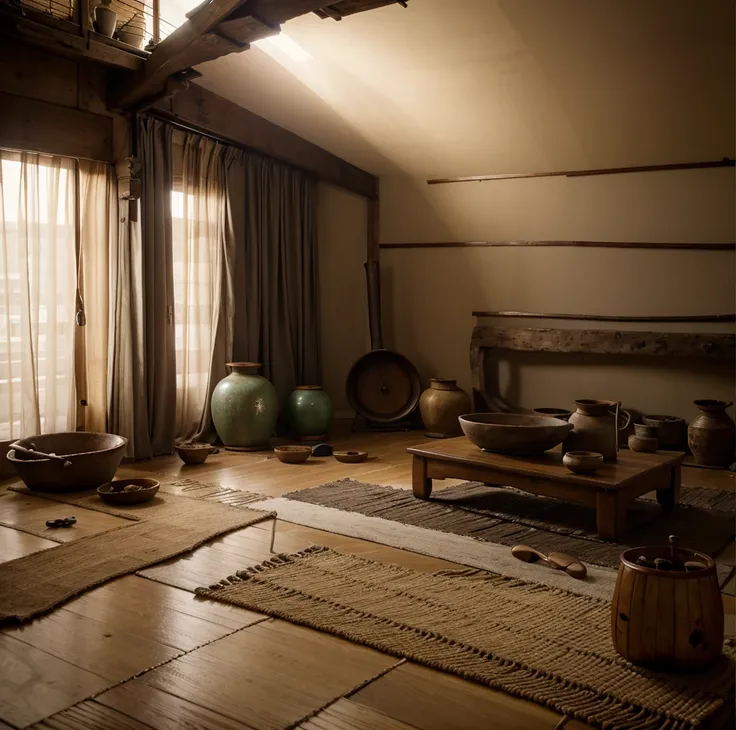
[(158, 530), (705, 520), (545, 645)]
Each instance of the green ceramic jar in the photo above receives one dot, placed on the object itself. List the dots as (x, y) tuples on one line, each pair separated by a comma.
[(244, 408), (309, 413)]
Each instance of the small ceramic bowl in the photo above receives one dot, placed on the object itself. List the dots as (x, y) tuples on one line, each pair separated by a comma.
[(643, 444), (582, 462), (195, 453), (350, 457), (115, 492), (292, 454), (645, 430)]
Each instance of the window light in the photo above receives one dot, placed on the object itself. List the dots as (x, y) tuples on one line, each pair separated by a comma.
[(285, 45)]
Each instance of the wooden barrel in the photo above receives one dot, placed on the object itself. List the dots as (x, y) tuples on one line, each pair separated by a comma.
[(669, 619)]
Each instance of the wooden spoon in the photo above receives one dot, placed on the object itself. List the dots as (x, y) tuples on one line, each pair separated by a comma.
[(572, 566), (43, 455)]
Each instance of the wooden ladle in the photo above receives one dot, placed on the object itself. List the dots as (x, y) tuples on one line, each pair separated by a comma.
[(572, 566), (34, 452)]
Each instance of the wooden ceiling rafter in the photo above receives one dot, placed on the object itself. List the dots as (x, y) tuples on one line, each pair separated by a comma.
[(219, 27), (342, 8)]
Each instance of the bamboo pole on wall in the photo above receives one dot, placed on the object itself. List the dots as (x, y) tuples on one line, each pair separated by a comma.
[(373, 274)]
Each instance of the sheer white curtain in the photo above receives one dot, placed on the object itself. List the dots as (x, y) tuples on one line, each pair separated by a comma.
[(198, 240), (98, 223), (37, 294)]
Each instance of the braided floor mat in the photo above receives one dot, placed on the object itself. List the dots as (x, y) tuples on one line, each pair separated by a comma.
[(539, 643)]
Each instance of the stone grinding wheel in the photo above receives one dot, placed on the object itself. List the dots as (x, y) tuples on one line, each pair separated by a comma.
[(383, 387)]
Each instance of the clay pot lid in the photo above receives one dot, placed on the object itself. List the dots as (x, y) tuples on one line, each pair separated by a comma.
[(709, 406), (308, 387)]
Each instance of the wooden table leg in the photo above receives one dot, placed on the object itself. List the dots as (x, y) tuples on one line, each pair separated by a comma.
[(421, 485), (670, 496), (611, 515)]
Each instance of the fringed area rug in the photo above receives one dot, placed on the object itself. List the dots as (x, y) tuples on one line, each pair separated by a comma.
[(161, 529), (545, 645), (500, 516)]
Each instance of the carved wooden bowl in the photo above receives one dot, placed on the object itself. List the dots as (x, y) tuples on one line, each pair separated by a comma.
[(292, 454), (514, 433), (115, 492)]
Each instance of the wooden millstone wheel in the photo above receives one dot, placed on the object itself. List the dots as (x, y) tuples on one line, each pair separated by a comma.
[(383, 387)]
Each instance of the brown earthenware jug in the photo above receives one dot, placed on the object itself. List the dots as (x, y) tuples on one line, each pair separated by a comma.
[(441, 405), (596, 429), (712, 433)]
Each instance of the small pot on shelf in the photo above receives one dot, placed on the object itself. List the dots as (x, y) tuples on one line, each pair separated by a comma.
[(133, 31), (105, 19)]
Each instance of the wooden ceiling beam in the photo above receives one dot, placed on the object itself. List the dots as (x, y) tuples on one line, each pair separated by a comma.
[(206, 112), (215, 28)]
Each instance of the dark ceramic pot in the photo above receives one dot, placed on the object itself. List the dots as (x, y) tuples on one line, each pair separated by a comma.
[(309, 413), (712, 433)]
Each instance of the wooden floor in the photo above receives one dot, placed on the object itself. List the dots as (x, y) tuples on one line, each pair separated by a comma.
[(137, 653)]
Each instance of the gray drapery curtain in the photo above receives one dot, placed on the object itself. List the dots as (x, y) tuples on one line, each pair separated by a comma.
[(273, 219), (265, 292), (127, 402), (155, 151), (142, 399)]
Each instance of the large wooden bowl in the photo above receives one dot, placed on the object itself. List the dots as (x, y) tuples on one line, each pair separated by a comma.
[(94, 459), (514, 433)]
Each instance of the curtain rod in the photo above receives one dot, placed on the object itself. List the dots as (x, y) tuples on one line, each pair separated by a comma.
[(176, 121), (725, 162)]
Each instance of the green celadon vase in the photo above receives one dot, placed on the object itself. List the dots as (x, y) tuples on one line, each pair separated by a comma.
[(309, 413), (245, 407)]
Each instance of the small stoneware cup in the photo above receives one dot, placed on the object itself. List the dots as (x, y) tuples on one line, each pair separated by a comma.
[(582, 462)]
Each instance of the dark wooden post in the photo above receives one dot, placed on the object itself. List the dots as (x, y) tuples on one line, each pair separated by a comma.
[(373, 275)]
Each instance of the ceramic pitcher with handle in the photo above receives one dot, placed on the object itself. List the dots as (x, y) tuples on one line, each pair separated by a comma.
[(597, 424)]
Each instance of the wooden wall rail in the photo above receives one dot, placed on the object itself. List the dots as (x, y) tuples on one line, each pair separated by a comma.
[(608, 342), (706, 246), (488, 341), (608, 318), (724, 162)]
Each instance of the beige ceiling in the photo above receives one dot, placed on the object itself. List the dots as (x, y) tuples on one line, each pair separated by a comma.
[(466, 87)]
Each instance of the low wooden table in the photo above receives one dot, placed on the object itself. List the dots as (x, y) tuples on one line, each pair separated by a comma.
[(609, 490)]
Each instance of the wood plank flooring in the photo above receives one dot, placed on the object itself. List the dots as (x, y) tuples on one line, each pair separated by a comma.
[(137, 653)]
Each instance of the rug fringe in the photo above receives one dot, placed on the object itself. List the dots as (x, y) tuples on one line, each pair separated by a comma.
[(275, 562)]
